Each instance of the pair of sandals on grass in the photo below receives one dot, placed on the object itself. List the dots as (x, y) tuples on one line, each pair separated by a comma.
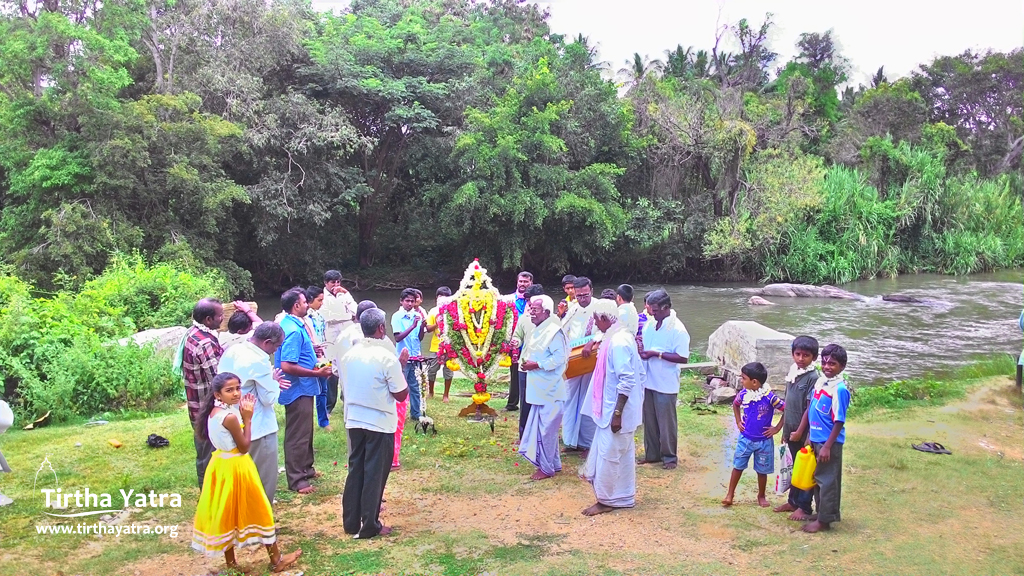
[(931, 448)]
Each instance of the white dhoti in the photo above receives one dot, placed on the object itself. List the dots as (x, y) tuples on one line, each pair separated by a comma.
[(540, 437), (577, 428), (611, 468)]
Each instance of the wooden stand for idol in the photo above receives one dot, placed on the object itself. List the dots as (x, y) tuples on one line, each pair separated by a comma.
[(478, 411)]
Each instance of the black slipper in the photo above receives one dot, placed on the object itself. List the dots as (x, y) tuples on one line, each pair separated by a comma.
[(931, 448)]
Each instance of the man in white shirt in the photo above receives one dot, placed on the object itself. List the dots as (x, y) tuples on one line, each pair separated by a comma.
[(666, 345), (628, 316), (339, 306), (577, 426), (616, 405), (375, 384), (338, 311), (348, 338), (250, 361), (545, 356)]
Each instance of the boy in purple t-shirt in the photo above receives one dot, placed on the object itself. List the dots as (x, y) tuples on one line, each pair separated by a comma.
[(754, 407)]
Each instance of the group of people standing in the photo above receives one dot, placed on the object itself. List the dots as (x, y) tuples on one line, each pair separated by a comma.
[(635, 381), (321, 341), (325, 346)]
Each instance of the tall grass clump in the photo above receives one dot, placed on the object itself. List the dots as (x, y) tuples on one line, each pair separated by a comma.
[(852, 235), (59, 352), (901, 214)]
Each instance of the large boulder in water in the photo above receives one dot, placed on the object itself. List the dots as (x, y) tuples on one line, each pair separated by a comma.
[(162, 338), (739, 342), (806, 291)]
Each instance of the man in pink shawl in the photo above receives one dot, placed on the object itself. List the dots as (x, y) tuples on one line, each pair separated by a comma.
[(615, 402)]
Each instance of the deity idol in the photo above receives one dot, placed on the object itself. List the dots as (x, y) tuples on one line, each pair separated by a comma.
[(476, 326)]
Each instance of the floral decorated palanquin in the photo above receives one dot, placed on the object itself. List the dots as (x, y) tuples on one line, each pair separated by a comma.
[(475, 327)]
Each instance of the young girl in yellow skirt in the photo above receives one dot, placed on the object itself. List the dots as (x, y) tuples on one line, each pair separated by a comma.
[(233, 509)]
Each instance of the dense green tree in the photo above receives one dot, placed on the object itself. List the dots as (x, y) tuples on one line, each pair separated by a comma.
[(396, 80), (820, 62), (265, 138), (893, 109), (522, 180), (981, 96), (63, 66)]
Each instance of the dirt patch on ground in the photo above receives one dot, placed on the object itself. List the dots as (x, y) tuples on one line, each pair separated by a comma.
[(987, 421), (551, 509), (252, 559)]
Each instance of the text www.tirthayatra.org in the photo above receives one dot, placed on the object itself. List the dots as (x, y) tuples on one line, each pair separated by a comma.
[(106, 529)]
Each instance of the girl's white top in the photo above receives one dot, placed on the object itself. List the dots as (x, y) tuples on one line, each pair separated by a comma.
[(220, 436)]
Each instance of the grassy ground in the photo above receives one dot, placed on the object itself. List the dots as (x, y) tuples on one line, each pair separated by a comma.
[(462, 505)]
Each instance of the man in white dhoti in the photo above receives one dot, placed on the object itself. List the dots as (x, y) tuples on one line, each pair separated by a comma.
[(545, 356), (616, 405), (578, 323)]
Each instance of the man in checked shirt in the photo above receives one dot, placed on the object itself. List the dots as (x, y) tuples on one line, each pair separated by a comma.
[(200, 356)]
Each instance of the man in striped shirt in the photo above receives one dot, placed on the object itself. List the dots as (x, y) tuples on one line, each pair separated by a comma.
[(200, 357)]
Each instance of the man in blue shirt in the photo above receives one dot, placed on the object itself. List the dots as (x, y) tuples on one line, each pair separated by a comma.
[(407, 325), (297, 359), (523, 282)]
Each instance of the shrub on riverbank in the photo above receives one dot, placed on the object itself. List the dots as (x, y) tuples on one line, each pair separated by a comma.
[(928, 390), (58, 352), (843, 224)]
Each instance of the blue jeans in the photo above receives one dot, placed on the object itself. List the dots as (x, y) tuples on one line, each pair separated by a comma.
[(414, 389), (321, 404), (763, 452)]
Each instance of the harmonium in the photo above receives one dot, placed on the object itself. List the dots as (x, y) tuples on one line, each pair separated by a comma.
[(578, 365)]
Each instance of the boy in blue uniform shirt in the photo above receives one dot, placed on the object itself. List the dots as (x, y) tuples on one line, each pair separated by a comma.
[(826, 416)]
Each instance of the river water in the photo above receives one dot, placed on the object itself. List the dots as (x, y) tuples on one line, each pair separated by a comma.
[(971, 317)]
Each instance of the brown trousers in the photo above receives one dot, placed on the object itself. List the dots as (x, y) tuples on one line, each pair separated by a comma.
[(298, 442)]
